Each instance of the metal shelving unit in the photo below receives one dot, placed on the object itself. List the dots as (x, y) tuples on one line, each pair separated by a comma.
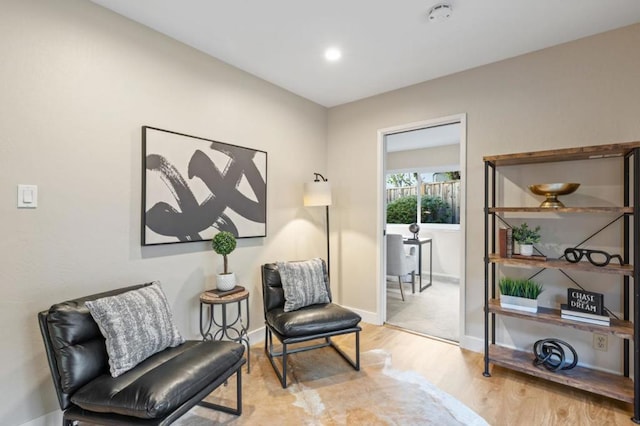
[(622, 387)]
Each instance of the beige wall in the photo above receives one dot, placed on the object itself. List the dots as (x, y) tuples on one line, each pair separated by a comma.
[(581, 93), (77, 83)]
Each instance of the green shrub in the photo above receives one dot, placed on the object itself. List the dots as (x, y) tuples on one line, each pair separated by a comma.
[(403, 210), (224, 243), (435, 210)]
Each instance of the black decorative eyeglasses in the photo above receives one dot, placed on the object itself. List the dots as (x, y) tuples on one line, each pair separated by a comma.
[(596, 257)]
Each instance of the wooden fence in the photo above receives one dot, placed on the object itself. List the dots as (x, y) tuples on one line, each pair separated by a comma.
[(449, 191)]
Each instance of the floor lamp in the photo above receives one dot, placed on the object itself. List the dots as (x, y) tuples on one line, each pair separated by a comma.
[(318, 193)]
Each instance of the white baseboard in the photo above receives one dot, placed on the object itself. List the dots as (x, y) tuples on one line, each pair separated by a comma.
[(52, 418), (368, 317), (472, 344), (256, 336)]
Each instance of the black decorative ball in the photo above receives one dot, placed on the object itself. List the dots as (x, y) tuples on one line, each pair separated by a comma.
[(414, 228)]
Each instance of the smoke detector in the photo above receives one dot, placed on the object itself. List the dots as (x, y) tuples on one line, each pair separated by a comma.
[(440, 12)]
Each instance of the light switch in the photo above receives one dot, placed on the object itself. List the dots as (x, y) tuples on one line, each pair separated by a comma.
[(27, 196)]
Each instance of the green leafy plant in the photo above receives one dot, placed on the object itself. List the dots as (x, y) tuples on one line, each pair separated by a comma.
[(224, 243), (403, 210), (434, 210), (525, 235), (520, 287)]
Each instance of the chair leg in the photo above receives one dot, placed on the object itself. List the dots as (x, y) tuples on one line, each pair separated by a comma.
[(401, 289), (268, 349), (239, 391), (266, 340), (284, 365), (238, 409), (413, 282), (354, 363)]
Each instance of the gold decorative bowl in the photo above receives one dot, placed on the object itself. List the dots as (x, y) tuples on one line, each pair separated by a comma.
[(551, 191)]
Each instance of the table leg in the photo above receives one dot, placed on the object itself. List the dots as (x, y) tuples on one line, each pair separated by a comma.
[(206, 333), (413, 290), (430, 267), (245, 334), (240, 332)]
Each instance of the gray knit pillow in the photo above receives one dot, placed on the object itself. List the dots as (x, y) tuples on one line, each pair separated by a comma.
[(135, 324), (303, 283)]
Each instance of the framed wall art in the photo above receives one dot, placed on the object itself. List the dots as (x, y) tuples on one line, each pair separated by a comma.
[(193, 187)]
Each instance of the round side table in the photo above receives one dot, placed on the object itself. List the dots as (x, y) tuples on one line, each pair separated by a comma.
[(235, 329)]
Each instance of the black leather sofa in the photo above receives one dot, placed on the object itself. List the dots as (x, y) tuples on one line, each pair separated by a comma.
[(155, 392)]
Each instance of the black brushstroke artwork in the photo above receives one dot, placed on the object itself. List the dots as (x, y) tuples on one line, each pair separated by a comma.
[(186, 222)]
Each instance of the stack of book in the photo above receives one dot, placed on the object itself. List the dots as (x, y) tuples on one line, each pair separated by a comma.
[(584, 317), (221, 293), (585, 306)]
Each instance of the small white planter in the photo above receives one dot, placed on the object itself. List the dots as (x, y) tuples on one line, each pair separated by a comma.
[(526, 249), (226, 282), (519, 303)]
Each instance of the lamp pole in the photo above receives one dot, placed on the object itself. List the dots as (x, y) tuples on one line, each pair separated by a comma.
[(328, 251), (318, 193)]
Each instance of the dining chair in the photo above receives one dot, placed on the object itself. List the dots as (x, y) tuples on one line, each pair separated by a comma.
[(399, 262)]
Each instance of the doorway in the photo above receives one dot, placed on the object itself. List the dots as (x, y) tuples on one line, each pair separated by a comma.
[(422, 167)]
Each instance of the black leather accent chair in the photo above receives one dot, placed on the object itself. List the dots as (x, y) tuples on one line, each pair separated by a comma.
[(155, 392), (315, 322)]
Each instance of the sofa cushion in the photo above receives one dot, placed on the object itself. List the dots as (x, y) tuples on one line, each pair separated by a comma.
[(162, 382), (136, 324), (314, 319), (303, 283), (78, 353)]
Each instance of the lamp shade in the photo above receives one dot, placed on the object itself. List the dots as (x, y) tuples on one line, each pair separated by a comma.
[(317, 194)]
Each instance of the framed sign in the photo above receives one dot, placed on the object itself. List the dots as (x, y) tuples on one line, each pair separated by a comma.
[(193, 187)]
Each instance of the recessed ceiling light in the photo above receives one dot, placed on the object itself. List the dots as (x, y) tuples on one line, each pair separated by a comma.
[(332, 54), (440, 12)]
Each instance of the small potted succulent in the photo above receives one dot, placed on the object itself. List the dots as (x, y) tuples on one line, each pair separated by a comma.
[(224, 243), (519, 294), (525, 237)]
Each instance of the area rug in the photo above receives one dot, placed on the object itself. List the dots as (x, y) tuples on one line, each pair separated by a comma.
[(324, 390)]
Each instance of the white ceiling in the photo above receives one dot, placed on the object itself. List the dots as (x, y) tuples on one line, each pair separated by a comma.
[(386, 44)]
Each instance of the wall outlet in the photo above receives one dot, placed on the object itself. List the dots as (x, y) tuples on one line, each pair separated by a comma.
[(600, 342)]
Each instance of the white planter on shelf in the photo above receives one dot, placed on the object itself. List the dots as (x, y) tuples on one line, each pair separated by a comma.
[(519, 303), (226, 282), (526, 249)]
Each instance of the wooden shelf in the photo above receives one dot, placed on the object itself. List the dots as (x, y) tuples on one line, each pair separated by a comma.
[(562, 264), (567, 154), (619, 210), (607, 384), (618, 328)]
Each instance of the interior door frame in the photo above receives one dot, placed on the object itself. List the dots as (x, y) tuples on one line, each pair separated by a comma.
[(381, 302)]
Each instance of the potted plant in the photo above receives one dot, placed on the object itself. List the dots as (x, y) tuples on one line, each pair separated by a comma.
[(520, 294), (525, 237), (224, 243)]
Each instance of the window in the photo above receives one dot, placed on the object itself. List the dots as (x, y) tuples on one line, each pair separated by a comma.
[(433, 197)]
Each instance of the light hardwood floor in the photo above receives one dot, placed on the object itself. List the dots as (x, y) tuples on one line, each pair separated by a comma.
[(506, 398)]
